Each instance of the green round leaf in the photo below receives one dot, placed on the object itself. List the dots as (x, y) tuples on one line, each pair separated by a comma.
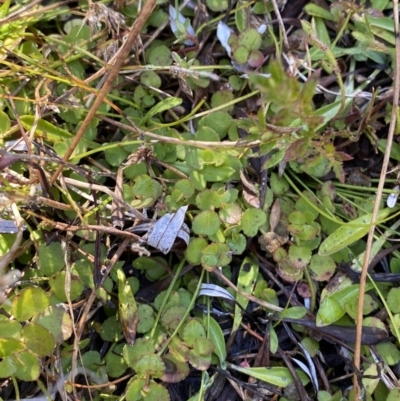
[(230, 213), (220, 121), (150, 365), (28, 367), (217, 5), (208, 200), (133, 353), (322, 267), (206, 223), (241, 54), (5, 123), (146, 318), (160, 55), (57, 284), (111, 330), (393, 300), (194, 250), (57, 321), (216, 255), (172, 317), (138, 391), (389, 352), (115, 156), (7, 367), (250, 38), (38, 339), (193, 330), (222, 98), (115, 363), (150, 78), (28, 302), (51, 258), (203, 346), (10, 328), (186, 188), (252, 220), (175, 370), (9, 346)]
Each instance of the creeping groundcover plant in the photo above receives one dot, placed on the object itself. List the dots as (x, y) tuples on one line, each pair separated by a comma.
[(199, 200)]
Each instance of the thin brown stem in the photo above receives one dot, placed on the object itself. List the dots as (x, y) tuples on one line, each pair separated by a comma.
[(117, 62)]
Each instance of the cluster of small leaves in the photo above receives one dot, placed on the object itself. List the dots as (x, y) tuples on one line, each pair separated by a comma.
[(162, 339)]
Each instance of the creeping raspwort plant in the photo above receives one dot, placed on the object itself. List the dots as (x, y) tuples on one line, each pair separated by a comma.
[(209, 218)]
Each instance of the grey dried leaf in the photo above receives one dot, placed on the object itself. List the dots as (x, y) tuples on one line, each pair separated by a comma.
[(163, 234)]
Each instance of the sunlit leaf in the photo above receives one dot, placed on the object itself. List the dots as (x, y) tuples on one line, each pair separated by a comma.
[(349, 233)]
